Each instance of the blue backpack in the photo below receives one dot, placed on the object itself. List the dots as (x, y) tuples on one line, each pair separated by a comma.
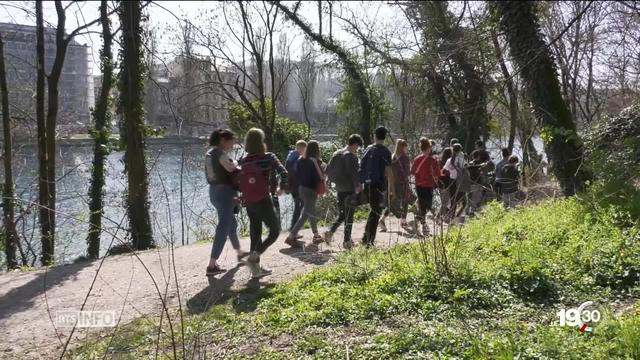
[(370, 167)]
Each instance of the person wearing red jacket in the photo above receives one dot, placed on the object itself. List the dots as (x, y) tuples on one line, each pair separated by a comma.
[(426, 170)]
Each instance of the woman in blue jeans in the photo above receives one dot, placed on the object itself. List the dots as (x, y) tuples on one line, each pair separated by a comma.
[(219, 167), (309, 175)]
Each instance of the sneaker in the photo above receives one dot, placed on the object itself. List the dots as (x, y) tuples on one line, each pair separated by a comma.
[(295, 244), (215, 270), (383, 226), (259, 272), (328, 237), (348, 245), (317, 239)]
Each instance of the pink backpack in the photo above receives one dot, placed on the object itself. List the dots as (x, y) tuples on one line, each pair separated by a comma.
[(251, 180)]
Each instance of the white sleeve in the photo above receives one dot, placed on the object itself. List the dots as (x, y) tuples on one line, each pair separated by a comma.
[(227, 162)]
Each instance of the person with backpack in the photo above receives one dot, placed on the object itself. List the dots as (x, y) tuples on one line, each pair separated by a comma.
[(253, 180), (342, 170), (311, 179), (457, 188), (444, 183), (374, 172), (292, 158), (426, 171), (509, 182), (506, 153), (399, 187), (219, 168)]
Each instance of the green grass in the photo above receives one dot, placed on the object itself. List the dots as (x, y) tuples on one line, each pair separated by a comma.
[(509, 273)]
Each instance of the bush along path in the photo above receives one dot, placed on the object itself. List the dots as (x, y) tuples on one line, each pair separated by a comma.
[(141, 287), (506, 278)]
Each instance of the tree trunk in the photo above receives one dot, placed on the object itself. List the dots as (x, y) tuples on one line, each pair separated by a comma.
[(100, 133), (10, 234), (564, 147), (131, 102), (350, 66), (45, 197), (511, 90)]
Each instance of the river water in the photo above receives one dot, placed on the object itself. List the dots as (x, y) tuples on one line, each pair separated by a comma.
[(178, 193), (176, 178)]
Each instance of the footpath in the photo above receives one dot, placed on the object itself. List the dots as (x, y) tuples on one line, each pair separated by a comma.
[(136, 286)]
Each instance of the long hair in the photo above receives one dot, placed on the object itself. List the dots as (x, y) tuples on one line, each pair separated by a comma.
[(400, 143), (219, 134), (312, 150), (254, 142), (446, 154)]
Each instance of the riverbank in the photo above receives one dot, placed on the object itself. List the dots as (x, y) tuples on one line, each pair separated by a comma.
[(498, 294)]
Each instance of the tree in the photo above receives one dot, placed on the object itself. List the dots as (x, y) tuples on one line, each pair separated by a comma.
[(350, 65), (47, 125), (102, 120), (133, 128), (10, 235), (306, 75), (537, 68)]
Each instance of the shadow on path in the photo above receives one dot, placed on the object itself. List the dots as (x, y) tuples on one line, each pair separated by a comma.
[(311, 254), (24, 297), (219, 292)]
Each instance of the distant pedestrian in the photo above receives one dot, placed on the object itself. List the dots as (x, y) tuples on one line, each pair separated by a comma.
[(292, 158), (455, 167), (426, 171), (399, 185), (506, 153), (444, 183), (310, 177), (254, 181), (342, 170), (374, 172), (509, 182), (219, 168)]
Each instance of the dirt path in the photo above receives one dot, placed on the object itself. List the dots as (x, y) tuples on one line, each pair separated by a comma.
[(29, 301)]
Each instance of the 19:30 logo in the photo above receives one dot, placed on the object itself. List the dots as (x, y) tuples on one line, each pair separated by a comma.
[(580, 317)]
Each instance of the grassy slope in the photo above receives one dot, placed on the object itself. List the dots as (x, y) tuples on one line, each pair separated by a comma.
[(509, 273)]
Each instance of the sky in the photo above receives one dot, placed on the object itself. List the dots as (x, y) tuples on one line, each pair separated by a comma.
[(164, 15)]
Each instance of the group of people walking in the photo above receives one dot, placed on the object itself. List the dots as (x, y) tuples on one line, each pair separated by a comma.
[(381, 179)]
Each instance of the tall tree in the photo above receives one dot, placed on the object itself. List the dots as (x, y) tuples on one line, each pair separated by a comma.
[(10, 234), (47, 125), (102, 119), (538, 70), (350, 65), (133, 128), (46, 198)]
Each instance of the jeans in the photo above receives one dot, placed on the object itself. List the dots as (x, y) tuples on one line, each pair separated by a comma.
[(221, 197), (260, 212), (509, 200), (475, 197), (345, 214), (425, 202), (297, 209), (376, 202), (309, 198)]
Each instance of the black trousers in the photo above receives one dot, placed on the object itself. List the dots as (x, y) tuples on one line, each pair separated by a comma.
[(262, 212), (297, 209), (425, 202), (345, 214), (376, 202)]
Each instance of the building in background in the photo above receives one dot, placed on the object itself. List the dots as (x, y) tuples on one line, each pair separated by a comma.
[(75, 87)]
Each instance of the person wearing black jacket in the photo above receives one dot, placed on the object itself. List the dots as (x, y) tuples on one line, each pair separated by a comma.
[(292, 159)]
